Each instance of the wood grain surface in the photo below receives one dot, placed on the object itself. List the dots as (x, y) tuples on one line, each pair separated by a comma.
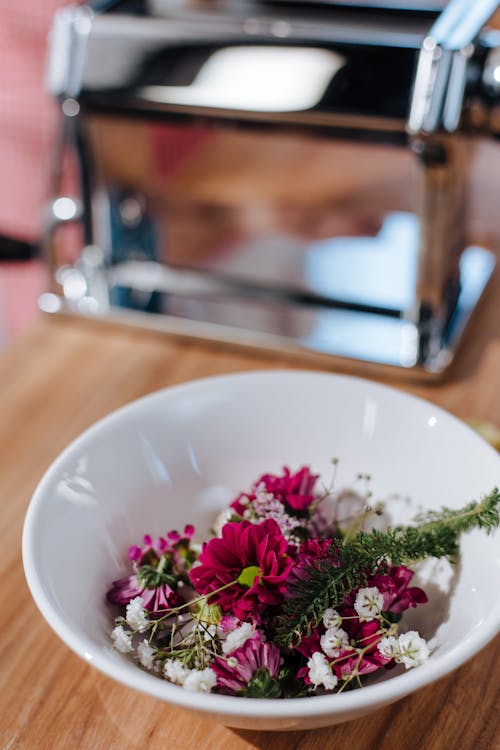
[(55, 382)]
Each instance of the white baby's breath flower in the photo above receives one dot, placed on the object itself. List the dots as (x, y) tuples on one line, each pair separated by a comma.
[(200, 680), (175, 671), (320, 671), (122, 640), (389, 647), (266, 505), (331, 618), (368, 603), (334, 641), (237, 637), (413, 650), (136, 615), (146, 654)]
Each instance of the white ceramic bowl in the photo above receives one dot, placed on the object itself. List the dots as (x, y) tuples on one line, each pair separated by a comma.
[(180, 455)]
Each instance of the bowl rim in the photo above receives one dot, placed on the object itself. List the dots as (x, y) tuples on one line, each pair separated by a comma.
[(129, 674)]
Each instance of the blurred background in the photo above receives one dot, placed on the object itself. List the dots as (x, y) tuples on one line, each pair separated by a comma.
[(216, 191), (28, 121)]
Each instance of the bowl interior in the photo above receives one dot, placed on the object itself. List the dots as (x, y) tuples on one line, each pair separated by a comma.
[(181, 455)]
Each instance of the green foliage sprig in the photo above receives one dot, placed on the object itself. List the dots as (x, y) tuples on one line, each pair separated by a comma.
[(326, 582)]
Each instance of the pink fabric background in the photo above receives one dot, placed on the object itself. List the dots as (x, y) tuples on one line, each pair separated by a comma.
[(27, 124)]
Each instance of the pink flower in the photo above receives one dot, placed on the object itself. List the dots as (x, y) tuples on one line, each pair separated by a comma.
[(156, 562), (155, 599), (251, 560), (367, 636), (362, 635), (314, 549), (398, 597), (236, 672), (123, 590), (295, 491), (309, 552), (228, 623), (393, 586), (160, 598), (155, 548)]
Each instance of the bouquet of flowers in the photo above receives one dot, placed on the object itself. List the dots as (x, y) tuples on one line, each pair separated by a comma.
[(286, 599)]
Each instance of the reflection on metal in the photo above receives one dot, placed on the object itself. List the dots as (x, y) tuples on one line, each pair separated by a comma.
[(461, 21), (49, 302), (190, 306), (262, 79), (73, 283), (284, 232), (70, 107), (443, 71), (65, 209)]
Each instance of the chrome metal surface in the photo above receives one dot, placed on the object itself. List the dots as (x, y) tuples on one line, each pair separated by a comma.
[(461, 21), (491, 71), (447, 71), (218, 197), (68, 51), (330, 337), (445, 66), (442, 237), (459, 75), (330, 70), (419, 6)]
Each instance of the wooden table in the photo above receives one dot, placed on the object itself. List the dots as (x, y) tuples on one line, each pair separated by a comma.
[(57, 380)]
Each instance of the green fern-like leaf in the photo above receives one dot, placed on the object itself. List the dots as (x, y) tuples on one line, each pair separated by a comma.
[(325, 583)]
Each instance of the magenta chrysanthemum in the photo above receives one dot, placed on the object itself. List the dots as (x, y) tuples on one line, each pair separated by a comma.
[(398, 596), (295, 491), (251, 560), (156, 563), (124, 590), (155, 548), (310, 551), (155, 599), (234, 674), (396, 593)]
